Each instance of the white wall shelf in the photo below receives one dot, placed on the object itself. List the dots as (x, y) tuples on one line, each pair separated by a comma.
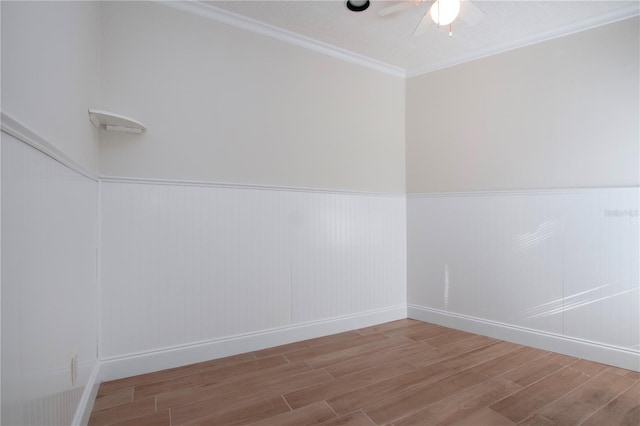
[(115, 122)]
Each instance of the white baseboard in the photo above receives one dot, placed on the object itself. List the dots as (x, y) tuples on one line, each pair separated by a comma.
[(83, 412), (134, 364), (592, 351)]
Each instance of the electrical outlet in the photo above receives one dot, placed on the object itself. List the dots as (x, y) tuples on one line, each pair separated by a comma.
[(74, 369)]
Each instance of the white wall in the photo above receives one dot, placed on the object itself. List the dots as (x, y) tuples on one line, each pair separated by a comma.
[(49, 285), (50, 72), (185, 265), (202, 263), (50, 77), (226, 105), (557, 269), (563, 263), (559, 114)]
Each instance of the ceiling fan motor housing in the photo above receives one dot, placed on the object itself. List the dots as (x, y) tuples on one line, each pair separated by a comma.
[(357, 5)]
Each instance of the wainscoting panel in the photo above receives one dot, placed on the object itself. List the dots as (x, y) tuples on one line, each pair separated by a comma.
[(49, 285), (560, 262), (601, 300), (186, 264)]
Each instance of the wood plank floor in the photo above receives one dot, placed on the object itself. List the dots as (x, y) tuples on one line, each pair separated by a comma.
[(400, 373)]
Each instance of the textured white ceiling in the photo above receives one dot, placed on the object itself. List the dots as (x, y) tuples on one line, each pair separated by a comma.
[(388, 40)]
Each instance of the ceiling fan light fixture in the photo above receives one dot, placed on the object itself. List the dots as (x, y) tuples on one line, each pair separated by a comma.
[(357, 5), (444, 12)]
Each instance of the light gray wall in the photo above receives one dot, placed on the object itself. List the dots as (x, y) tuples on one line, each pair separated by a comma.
[(559, 114), (50, 72), (226, 105)]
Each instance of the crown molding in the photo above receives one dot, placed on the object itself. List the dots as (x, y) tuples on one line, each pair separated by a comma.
[(628, 12), (209, 11), (238, 21)]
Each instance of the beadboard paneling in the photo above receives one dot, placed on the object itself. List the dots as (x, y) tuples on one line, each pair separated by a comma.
[(49, 285), (560, 262), (183, 264)]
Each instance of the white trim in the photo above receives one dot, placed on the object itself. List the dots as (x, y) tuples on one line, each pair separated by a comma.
[(146, 362), (99, 270), (238, 21), (585, 349), (13, 127), (83, 411), (517, 192), (178, 182), (598, 21)]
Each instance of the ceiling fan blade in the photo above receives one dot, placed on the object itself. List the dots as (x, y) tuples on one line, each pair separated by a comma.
[(424, 24), (470, 14), (385, 11)]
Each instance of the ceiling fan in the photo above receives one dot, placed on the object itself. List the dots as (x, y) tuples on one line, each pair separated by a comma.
[(441, 12)]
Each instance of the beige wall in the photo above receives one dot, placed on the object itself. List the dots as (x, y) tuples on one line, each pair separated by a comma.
[(559, 114), (50, 72), (227, 105), (223, 104)]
